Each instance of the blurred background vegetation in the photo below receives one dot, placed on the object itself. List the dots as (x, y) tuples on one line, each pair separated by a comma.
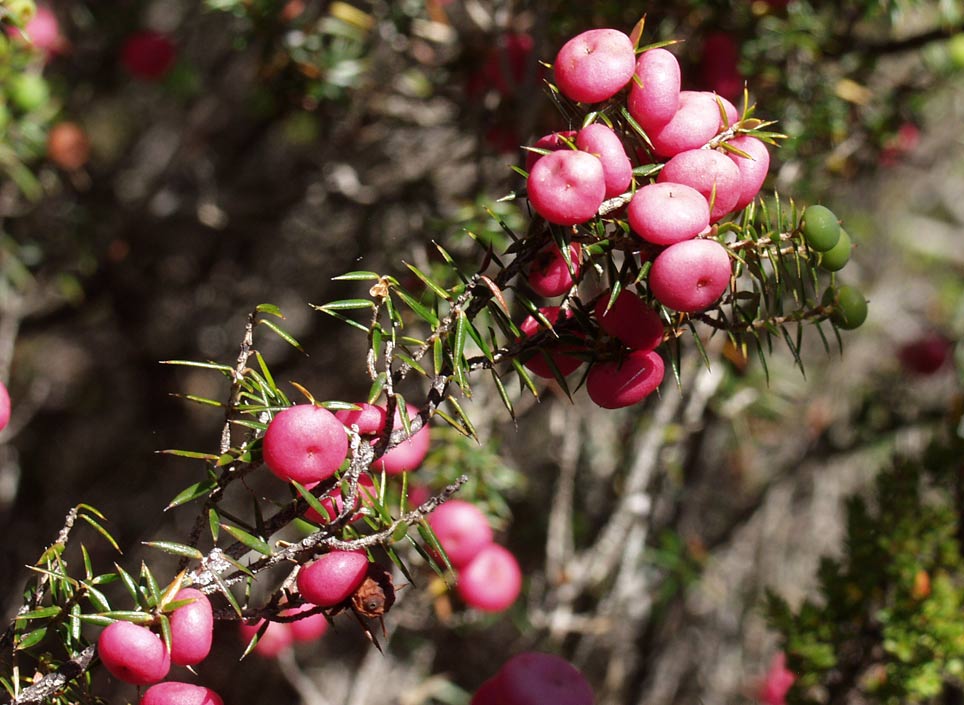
[(264, 147)]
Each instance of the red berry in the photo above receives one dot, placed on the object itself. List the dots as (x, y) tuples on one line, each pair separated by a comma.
[(492, 580), (567, 187), (68, 146), (595, 65), (925, 355), (615, 384), (566, 364), (549, 273), (630, 320), (133, 654), (148, 55), (305, 443), (192, 628), (332, 578), (334, 503), (719, 65), (489, 693), (462, 529), (690, 276), (174, 693)]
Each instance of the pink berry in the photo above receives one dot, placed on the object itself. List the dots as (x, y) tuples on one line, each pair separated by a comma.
[(566, 364), (305, 443), (552, 142), (370, 419), (408, 455), (308, 628), (332, 578), (43, 31), (567, 187), (696, 122), (690, 276), (667, 213), (133, 654), (492, 580), (595, 65), (462, 529), (148, 55), (630, 320), (709, 172), (192, 628), (174, 693), (276, 638), (549, 274), (600, 141), (534, 678), (753, 171), (334, 503), (654, 93), (777, 682), (618, 383), (4, 406), (732, 114)]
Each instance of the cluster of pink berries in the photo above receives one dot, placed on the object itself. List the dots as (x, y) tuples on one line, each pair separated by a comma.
[(699, 182), (489, 577), (137, 655), (534, 678), (307, 443)]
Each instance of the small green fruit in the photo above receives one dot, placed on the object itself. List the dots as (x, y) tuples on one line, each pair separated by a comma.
[(837, 256), (28, 91), (820, 227), (21, 11), (849, 307), (955, 50)]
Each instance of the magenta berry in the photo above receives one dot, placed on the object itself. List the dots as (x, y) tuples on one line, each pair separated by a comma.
[(709, 172), (534, 678), (567, 187), (334, 503), (595, 65), (630, 320), (4, 406), (462, 529), (618, 383), (492, 580), (667, 213), (489, 693), (174, 693), (133, 654), (753, 171), (549, 273), (369, 419), (690, 276), (600, 141), (654, 92), (192, 628), (566, 364), (305, 443), (332, 578)]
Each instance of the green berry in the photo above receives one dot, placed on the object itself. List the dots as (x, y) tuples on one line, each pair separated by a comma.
[(820, 228), (849, 307), (28, 91), (837, 256)]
